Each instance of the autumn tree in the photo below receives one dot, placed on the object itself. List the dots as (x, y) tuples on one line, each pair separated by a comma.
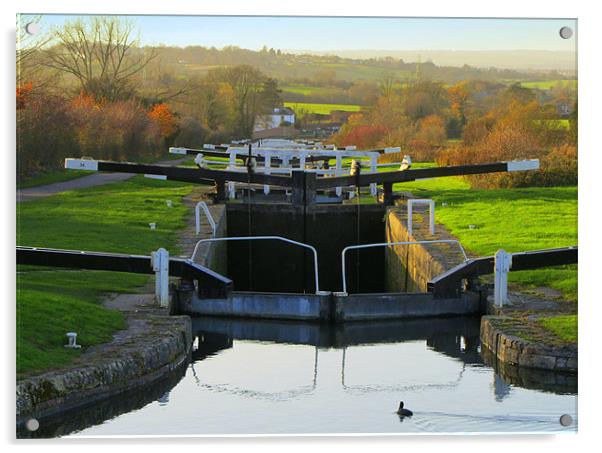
[(425, 98), (101, 53), (165, 119), (245, 87)]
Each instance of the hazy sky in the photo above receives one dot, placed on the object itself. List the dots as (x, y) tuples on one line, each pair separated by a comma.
[(325, 33)]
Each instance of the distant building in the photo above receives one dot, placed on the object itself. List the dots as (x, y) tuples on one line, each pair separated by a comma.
[(280, 116)]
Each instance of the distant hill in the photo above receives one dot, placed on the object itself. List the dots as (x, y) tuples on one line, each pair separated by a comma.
[(507, 59), (445, 66)]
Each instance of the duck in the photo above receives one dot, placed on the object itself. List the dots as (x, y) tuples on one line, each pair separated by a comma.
[(403, 412)]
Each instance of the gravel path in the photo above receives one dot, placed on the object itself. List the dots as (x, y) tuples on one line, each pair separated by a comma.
[(95, 179)]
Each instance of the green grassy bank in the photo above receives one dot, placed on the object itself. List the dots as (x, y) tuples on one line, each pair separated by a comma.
[(111, 218)]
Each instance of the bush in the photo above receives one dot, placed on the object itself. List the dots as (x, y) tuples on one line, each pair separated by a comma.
[(51, 128), (558, 165), (191, 133)]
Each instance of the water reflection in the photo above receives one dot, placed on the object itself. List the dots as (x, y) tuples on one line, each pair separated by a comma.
[(344, 378)]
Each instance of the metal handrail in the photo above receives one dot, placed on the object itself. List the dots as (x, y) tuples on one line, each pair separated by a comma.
[(197, 212), (385, 244), (276, 238)]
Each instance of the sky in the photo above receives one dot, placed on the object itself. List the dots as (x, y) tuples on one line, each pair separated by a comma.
[(328, 33)]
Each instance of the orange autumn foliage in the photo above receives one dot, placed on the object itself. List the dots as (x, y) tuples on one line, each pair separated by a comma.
[(161, 114), (23, 92)]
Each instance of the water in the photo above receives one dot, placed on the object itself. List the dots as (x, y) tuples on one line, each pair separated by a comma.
[(258, 377)]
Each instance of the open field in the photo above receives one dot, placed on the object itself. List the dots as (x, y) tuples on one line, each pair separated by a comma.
[(548, 84), (112, 218), (324, 109), (304, 89)]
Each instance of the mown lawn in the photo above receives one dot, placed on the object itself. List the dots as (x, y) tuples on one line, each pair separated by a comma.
[(511, 219), (112, 218)]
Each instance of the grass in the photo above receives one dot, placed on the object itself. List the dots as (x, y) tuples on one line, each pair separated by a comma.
[(563, 326), (549, 84), (512, 219), (112, 218), (324, 109), (52, 177)]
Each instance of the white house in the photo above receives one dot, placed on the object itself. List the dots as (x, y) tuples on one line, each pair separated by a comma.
[(279, 116)]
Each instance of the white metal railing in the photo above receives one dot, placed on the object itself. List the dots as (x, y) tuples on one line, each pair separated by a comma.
[(385, 244), (263, 238), (197, 213), (414, 201)]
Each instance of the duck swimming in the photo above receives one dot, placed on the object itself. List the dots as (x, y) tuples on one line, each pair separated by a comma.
[(403, 412)]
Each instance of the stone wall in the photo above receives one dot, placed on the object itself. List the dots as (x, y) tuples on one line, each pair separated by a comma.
[(512, 350), (410, 267), (160, 346)]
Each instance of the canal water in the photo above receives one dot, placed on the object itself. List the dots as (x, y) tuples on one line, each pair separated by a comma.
[(270, 377)]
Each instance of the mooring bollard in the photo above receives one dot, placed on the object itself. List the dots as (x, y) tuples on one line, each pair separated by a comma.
[(160, 264), (72, 336), (503, 263)]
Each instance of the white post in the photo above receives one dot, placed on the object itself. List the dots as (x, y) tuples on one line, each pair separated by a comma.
[(232, 167), (337, 172), (373, 169), (160, 263), (302, 161), (285, 160), (503, 263), (267, 171)]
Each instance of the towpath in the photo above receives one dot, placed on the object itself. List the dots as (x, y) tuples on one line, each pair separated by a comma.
[(95, 179)]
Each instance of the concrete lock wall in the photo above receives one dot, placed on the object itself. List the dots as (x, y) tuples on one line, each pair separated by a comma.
[(279, 267), (409, 267)]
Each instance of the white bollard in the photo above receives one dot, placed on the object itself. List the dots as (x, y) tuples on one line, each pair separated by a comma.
[(503, 263), (72, 336), (169, 203), (160, 264), (152, 225)]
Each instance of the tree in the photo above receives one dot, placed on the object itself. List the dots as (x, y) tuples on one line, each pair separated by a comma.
[(425, 98), (28, 49), (102, 54), (270, 95), (246, 85)]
